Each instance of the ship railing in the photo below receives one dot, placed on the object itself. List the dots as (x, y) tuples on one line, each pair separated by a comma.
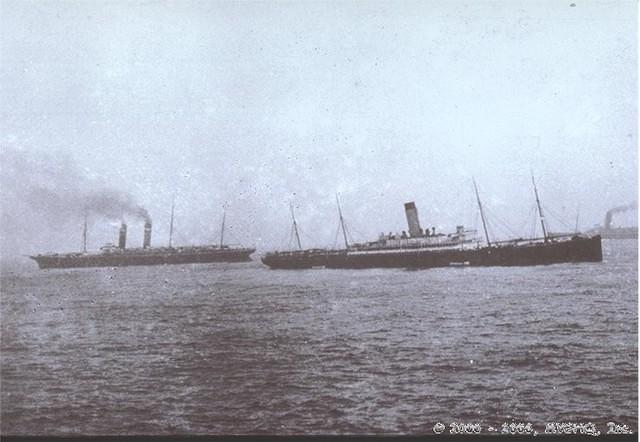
[(413, 245), (301, 252), (551, 237)]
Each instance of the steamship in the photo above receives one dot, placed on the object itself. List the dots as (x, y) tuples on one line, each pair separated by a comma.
[(118, 256), (609, 231), (427, 248)]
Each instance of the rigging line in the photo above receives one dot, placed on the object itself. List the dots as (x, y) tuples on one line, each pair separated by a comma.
[(500, 222), (295, 226), (531, 219), (494, 226), (230, 235), (178, 233), (542, 223), (523, 227), (557, 217), (335, 239), (560, 221), (475, 220), (224, 218), (84, 234), (507, 227), (310, 240), (350, 235), (293, 236), (484, 224), (173, 205), (534, 222), (344, 230), (490, 230), (227, 234), (350, 231), (285, 240)]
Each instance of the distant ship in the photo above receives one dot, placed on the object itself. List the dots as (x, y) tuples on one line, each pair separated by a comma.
[(117, 256), (611, 232), (426, 248)]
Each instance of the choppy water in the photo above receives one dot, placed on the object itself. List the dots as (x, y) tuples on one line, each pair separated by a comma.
[(237, 348)]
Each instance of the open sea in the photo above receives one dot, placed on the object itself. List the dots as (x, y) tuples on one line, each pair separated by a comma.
[(241, 349)]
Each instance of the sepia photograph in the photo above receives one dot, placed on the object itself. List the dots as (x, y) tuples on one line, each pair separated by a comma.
[(318, 218)]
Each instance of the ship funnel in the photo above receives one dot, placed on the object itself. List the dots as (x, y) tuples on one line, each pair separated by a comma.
[(412, 219), (147, 235), (122, 238)]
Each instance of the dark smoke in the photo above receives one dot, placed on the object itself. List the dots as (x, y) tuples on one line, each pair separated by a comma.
[(57, 185), (609, 217), (112, 204), (630, 206), (43, 198)]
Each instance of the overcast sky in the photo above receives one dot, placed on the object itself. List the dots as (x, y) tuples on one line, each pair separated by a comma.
[(257, 105)]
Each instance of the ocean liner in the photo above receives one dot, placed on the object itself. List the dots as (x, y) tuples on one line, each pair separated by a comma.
[(427, 248), (116, 256)]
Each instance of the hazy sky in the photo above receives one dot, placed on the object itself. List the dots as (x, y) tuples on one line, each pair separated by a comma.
[(262, 104)]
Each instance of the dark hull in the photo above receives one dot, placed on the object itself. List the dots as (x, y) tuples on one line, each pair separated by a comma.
[(577, 249), (616, 233), (143, 259), (620, 233)]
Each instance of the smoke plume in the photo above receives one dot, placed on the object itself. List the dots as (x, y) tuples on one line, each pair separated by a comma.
[(609, 217), (630, 206), (44, 196), (112, 204)]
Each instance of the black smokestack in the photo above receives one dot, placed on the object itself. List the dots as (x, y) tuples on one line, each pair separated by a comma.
[(122, 238), (607, 219), (412, 219), (147, 234)]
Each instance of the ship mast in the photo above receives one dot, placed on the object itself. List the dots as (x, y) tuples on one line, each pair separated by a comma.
[(344, 231), (295, 227), (224, 216), (484, 222), (173, 201), (84, 234), (544, 227)]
